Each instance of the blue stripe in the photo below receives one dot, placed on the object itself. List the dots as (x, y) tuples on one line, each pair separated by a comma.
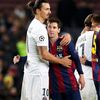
[(53, 79)]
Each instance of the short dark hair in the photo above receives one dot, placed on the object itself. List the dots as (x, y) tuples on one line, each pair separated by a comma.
[(87, 21), (96, 18), (56, 20), (37, 4)]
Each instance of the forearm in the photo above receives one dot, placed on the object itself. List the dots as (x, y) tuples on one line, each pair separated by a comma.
[(78, 64), (88, 63), (51, 58), (75, 58), (45, 55), (23, 59)]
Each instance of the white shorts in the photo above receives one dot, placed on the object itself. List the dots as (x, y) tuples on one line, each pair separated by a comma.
[(35, 87), (88, 92)]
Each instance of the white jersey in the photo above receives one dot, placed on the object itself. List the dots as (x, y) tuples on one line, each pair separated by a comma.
[(36, 36), (84, 47), (35, 84)]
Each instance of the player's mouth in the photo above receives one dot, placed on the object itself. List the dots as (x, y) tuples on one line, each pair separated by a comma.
[(51, 33)]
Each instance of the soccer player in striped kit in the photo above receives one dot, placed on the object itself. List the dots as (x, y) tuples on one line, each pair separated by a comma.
[(63, 84), (96, 52)]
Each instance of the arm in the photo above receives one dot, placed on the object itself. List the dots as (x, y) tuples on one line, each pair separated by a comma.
[(45, 55), (76, 59), (23, 59), (66, 38), (84, 61), (88, 63), (18, 59)]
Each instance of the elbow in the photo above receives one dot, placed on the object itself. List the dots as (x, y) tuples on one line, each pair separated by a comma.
[(43, 55)]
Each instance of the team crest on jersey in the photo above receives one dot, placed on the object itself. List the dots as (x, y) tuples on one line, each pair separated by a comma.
[(44, 98), (41, 38), (59, 48)]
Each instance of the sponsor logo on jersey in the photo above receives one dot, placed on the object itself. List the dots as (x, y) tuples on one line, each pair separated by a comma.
[(59, 48)]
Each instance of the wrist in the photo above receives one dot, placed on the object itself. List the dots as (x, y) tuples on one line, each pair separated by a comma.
[(81, 75)]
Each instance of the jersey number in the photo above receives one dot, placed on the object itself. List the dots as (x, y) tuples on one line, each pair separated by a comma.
[(80, 49)]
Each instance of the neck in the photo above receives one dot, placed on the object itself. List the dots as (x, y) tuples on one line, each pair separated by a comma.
[(39, 18), (52, 40)]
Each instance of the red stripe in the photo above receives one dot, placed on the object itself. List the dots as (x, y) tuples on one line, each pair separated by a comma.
[(61, 86), (72, 78)]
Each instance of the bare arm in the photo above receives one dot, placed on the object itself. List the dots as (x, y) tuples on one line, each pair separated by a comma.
[(66, 38), (44, 54)]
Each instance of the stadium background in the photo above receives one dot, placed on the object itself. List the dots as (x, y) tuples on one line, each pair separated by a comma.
[(14, 20)]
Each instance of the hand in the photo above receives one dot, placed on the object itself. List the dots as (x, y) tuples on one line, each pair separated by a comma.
[(81, 81), (16, 59), (66, 61), (83, 59), (66, 38)]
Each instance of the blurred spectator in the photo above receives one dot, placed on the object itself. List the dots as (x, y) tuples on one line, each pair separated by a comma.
[(8, 46), (20, 12), (1, 87), (11, 84), (21, 45), (3, 71)]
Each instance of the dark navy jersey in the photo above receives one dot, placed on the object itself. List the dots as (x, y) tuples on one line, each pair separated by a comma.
[(96, 56), (62, 79)]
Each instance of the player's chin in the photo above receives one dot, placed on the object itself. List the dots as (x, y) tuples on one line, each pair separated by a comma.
[(51, 36), (47, 16)]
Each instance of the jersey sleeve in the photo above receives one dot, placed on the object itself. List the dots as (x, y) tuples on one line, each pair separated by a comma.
[(75, 57), (23, 59), (88, 63), (41, 37)]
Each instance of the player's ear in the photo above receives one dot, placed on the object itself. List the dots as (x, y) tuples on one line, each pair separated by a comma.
[(59, 30)]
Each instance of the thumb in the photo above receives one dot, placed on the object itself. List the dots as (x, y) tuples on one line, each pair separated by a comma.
[(61, 36), (68, 56)]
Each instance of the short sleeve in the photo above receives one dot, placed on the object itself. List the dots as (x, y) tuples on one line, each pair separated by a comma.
[(41, 37)]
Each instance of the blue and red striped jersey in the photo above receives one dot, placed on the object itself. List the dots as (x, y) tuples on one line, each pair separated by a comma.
[(61, 78), (96, 56)]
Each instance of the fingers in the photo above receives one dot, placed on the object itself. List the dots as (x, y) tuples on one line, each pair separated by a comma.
[(67, 61), (61, 36), (83, 60), (66, 38), (16, 59), (81, 82), (64, 42), (68, 56), (82, 86)]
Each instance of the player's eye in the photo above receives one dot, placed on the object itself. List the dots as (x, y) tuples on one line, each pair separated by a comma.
[(54, 27)]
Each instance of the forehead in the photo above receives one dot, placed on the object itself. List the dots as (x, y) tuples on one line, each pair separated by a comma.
[(52, 24), (45, 5)]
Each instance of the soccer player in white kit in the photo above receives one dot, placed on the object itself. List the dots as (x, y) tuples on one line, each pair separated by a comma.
[(36, 81), (84, 47)]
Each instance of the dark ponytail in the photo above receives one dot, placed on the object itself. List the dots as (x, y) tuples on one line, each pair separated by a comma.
[(36, 5), (31, 4)]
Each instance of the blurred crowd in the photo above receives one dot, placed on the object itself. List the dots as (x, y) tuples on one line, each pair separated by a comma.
[(12, 42), (13, 26)]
